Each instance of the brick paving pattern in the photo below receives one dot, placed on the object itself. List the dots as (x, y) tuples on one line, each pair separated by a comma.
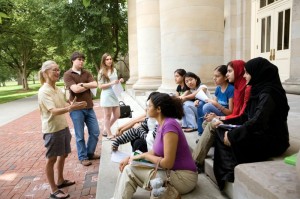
[(22, 161)]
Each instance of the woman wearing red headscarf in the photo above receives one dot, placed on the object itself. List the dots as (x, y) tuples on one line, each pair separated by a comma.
[(235, 72)]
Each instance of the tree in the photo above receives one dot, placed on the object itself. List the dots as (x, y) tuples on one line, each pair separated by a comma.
[(101, 27), (39, 30)]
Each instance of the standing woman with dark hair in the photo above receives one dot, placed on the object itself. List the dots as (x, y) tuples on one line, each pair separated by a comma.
[(263, 132), (108, 77), (170, 151)]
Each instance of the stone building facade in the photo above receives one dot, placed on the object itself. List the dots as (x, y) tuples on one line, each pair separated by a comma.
[(199, 35)]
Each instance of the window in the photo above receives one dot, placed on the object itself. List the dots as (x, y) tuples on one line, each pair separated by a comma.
[(264, 3), (283, 34)]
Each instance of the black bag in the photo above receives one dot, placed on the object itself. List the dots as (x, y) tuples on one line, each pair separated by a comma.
[(125, 110)]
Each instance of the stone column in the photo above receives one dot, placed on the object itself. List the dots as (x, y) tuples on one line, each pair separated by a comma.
[(192, 38), (292, 85), (148, 43), (237, 30), (132, 43)]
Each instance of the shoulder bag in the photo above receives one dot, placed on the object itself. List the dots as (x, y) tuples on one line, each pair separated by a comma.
[(162, 189), (125, 110)]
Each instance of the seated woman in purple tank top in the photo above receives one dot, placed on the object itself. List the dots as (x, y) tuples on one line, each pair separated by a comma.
[(170, 150)]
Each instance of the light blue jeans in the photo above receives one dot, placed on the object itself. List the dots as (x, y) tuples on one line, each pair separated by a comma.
[(88, 117), (190, 115), (210, 108)]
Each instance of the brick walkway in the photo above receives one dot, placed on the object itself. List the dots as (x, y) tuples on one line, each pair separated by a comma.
[(22, 161)]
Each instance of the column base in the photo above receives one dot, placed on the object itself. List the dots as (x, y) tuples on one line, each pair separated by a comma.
[(147, 84), (292, 86)]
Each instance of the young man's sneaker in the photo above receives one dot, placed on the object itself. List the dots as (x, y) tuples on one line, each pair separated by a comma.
[(86, 162), (94, 157)]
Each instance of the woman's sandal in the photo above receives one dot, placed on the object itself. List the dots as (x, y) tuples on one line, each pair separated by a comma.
[(111, 138), (55, 194), (114, 148), (104, 134), (189, 130), (65, 183)]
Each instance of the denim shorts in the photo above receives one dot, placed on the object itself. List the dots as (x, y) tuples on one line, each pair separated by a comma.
[(58, 143)]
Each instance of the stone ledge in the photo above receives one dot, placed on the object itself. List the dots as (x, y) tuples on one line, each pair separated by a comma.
[(272, 179)]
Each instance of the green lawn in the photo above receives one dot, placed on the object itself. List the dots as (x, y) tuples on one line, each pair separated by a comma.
[(12, 91)]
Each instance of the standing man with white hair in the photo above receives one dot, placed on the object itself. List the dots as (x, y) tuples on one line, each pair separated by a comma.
[(56, 133)]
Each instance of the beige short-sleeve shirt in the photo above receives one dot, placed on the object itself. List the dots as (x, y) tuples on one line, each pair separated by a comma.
[(50, 98)]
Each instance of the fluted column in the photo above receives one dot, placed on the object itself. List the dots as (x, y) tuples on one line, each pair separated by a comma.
[(191, 38), (148, 43), (292, 85), (132, 43)]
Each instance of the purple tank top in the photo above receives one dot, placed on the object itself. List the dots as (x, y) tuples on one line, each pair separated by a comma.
[(183, 160)]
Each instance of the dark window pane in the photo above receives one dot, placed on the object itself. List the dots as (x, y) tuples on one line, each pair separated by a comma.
[(280, 31), (270, 1), (262, 3), (268, 39), (262, 41), (287, 29)]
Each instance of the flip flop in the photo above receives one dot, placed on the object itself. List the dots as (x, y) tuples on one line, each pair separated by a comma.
[(58, 191), (104, 134), (65, 183), (189, 130), (111, 138)]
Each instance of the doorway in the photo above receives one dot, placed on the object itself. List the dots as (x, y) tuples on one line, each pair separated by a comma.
[(273, 33)]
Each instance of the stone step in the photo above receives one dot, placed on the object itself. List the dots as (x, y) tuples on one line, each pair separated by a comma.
[(271, 179)]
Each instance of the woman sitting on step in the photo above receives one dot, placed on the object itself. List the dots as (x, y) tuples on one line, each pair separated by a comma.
[(170, 151)]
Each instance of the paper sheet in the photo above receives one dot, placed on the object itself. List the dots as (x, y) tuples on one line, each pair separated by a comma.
[(93, 91), (118, 89), (201, 95), (118, 156)]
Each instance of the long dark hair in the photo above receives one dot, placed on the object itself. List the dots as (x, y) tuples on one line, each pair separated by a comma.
[(193, 75), (170, 106)]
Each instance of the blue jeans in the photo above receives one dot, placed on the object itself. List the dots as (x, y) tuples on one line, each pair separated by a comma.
[(210, 108), (88, 117), (190, 115), (200, 116)]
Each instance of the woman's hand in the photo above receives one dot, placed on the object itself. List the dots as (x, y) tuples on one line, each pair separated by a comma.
[(137, 157), (226, 141), (196, 103), (119, 132), (121, 80), (212, 101), (209, 117), (123, 163)]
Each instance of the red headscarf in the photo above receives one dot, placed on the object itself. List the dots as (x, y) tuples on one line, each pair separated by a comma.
[(241, 93)]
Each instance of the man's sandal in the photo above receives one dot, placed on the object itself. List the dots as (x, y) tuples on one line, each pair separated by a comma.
[(55, 195)]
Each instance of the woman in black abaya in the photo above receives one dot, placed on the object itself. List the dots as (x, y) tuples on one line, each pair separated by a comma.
[(264, 132)]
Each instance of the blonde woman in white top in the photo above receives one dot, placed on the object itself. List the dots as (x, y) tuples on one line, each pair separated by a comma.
[(108, 77)]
